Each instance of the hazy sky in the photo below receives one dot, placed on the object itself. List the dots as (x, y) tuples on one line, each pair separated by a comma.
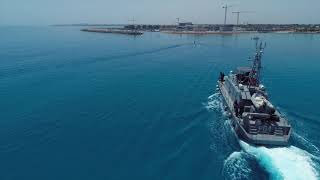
[(45, 12)]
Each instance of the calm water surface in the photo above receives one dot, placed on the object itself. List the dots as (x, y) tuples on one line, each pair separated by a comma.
[(77, 105)]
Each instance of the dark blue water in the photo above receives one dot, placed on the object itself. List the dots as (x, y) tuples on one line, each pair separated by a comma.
[(77, 105)]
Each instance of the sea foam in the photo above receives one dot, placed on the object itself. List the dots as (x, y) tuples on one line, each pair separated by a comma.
[(214, 102), (236, 166), (289, 163)]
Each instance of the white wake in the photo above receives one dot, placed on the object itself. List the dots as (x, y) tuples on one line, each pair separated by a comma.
[(237, 167), (289, 163), (214, 102)]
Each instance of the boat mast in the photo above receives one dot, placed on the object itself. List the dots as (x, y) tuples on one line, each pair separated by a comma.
[(256, 65)]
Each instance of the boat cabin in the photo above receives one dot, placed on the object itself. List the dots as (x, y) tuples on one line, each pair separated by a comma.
[(245, 76)]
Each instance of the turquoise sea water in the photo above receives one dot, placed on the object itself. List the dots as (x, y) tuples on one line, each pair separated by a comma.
[(78, 105)]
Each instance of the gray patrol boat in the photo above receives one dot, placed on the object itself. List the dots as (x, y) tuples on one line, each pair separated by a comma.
[(254, 119)]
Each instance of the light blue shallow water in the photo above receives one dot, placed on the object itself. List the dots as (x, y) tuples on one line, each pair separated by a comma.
[(77, 105)]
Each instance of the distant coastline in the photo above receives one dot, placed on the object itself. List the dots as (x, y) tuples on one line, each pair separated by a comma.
[(200, 29), (85, 24)]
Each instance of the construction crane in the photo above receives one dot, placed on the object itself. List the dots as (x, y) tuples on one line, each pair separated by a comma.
[(238, 14), (225, 13), (132, 20)]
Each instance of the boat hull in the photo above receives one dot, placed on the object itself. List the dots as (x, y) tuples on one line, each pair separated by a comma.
[(242, 134)]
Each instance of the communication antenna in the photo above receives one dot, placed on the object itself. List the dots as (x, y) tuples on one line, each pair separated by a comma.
[(256, 65)]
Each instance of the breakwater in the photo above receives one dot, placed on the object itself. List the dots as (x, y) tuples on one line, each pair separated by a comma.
[(116, 31)]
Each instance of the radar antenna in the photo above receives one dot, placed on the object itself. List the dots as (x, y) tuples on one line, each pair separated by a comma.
[(256, 65)]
